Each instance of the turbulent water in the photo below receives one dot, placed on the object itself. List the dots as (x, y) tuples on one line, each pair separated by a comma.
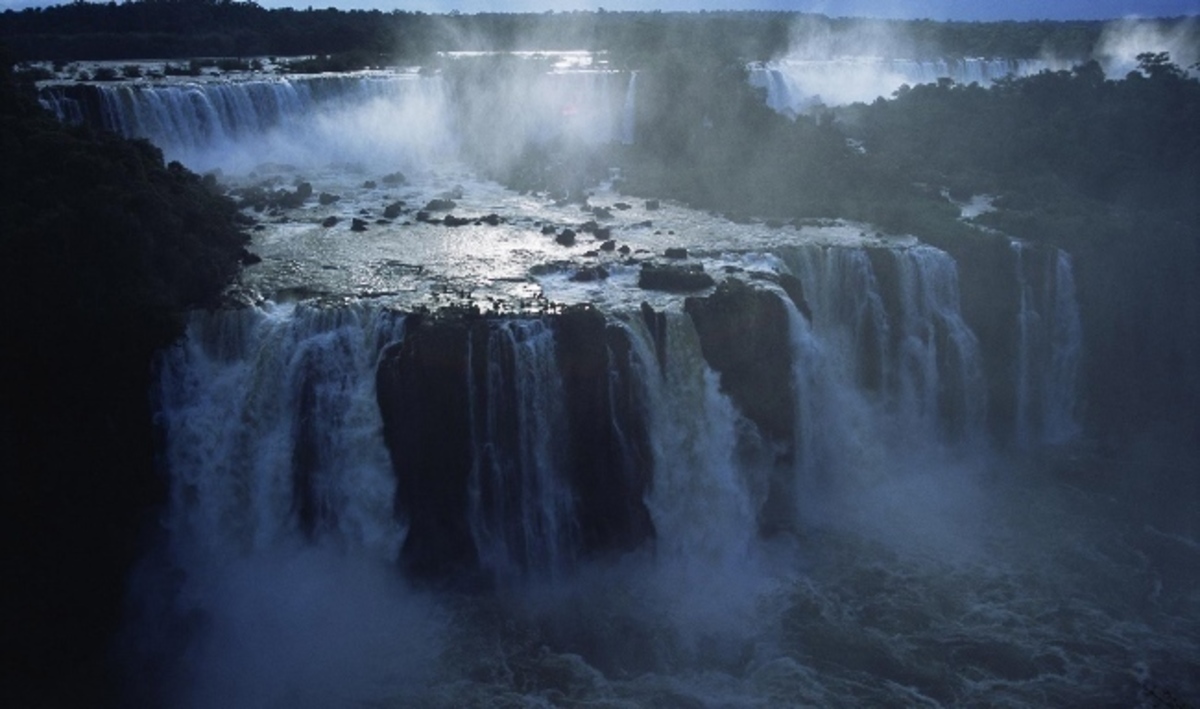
[(901, 540)]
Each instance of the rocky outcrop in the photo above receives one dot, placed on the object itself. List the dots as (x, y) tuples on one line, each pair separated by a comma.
[(426, 396), (421, 386), (611, 461), (674, 279), (744, 335)]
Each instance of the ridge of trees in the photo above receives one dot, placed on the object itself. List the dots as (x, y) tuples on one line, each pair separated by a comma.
[(102, 248), (165, 29)]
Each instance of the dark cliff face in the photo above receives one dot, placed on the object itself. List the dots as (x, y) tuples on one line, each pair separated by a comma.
[(744, 335), (430, 386)]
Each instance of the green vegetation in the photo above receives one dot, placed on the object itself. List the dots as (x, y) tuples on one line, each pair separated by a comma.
[(102, 247)]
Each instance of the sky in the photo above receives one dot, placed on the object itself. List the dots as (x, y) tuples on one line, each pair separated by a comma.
[(983, 10)]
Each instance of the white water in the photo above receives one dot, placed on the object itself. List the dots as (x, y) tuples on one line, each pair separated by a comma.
[(522, 512)]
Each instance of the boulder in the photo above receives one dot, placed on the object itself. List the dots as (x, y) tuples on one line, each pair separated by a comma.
[(395, 178), (587, 274), (393, 210), (609, 245), (566, 238), (329, 221), (440, 205), (358, 225), (674, 279), (549, 229), (326, 199), (676, 252)]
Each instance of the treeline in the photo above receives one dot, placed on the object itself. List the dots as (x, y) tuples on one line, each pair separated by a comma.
[(102, 249), (190, 28), (1106, 169)]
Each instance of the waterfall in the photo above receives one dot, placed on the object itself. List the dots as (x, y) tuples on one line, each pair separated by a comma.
[(1049, 347), (522, 512), (629, 111), (701, 502), (237, 124), (272, 433), (887, 332), (796, 83)]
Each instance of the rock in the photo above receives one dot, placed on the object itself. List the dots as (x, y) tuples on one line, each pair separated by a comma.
[(674, 279), (329, 221), (624, 250), (589, 227), (369, 185), (652, 204), (422, 216), (676, 252), (623, 206), (609, 245), (358, 225), (602, 233), (549, 229), (440, 205), (291, 200), (451, 220), (602, 213), (326, 199), (492, 220), (744, 336), (566, 238), (393, 210), (589, 274), (395, 178), (250, 259), (455, 192)]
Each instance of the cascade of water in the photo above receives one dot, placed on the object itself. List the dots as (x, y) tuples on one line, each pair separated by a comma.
[(1066, 348), (522, 511), (1049, 346), (629, 111), (1027, 328), (889, 324), (202, 123), (701, 503), (272, 432), (794, 84), (941, 382)]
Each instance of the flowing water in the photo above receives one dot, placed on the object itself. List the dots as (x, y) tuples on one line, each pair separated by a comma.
[(890, 548)]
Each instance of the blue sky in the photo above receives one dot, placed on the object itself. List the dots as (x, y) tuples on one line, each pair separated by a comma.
[(899, 9)]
